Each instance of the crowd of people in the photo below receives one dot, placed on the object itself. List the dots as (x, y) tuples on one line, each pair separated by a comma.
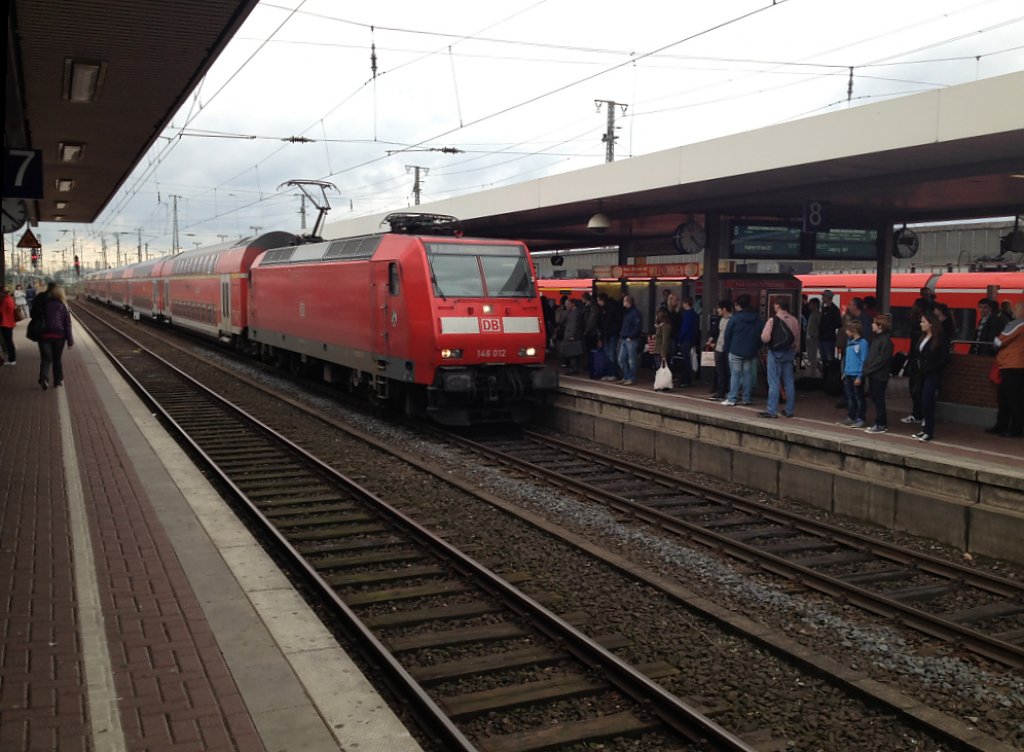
[(49, 326), (852, 348)]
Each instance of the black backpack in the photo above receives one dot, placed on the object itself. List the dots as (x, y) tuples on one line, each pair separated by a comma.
[(782, 335)]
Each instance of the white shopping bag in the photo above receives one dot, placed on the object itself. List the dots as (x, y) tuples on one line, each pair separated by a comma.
[(663, 378)]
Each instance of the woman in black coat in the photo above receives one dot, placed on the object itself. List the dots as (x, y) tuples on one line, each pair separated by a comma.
[(932, 357)]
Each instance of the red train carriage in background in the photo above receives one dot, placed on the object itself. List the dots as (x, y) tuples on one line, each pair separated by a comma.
[(961, 291), (451, 326), (446, 325)]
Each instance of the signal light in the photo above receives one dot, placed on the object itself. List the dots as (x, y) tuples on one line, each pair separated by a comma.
[(78, 268), (35, 259)]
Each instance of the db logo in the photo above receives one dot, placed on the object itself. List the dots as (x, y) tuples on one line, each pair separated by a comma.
[(490, 325)]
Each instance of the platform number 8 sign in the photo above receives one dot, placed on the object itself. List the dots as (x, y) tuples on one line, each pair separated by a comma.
[(816, 216)]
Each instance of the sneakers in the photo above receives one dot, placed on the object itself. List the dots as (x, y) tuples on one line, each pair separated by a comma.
[(729, 403), (787, 415), (909, 419), (628, 382), (766, 414), (857, 424), (875, 429), (922, 436), (11, 363), (716, 397)]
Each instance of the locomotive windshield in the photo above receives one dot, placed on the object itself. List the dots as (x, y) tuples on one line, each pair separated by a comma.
[(463, 270)]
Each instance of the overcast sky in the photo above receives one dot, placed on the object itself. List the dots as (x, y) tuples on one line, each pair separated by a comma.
[(512, 87)]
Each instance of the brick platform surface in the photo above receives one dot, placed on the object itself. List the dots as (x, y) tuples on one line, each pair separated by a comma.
[(173, 687)]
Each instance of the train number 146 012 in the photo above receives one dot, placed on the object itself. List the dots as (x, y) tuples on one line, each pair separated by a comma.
[(490, 353)]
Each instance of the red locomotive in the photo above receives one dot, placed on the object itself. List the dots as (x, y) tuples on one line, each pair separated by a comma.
[(441, 324)]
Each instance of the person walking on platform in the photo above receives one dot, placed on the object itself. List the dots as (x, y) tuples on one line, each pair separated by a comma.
[(7, 322), (743, 343), (1010, 361), (853, 374), (629, 338), (782, 335), (876, 371), (56, 332), (20, 301), (932, 357)]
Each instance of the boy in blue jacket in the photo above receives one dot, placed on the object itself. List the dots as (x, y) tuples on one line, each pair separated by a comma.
[(853, 374)]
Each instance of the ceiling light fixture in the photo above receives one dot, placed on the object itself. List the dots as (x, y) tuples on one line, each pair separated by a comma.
[(62, 205), (70, 152), (82, 80), (64, 185)]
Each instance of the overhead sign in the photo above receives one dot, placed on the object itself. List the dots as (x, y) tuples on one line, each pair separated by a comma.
[(779, 241), (843, 245), (23, 173), (765, 241), (690, 269)]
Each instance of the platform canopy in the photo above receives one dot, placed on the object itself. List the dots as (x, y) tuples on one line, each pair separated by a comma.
[(948, 154), (93, 83)]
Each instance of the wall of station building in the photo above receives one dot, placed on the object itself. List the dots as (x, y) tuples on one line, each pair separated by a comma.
[(961, 245)]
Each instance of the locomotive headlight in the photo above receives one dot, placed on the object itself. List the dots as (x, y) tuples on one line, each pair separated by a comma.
[(527, 352), (488, 308), (447, 354)]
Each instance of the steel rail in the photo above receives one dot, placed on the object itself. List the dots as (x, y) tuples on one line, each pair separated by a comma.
[(674, 712), (985, 645)]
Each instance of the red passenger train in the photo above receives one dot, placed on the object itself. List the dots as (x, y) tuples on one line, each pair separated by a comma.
[(443, 325)]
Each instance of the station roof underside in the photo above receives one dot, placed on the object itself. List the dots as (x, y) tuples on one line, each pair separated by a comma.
[(150, 57)]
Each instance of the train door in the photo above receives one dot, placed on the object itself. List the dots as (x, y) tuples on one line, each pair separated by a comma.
[(225, 303), (385, 285), (167, 299)]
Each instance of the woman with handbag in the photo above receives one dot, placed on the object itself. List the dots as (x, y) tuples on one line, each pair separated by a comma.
[(56, 332), (7, 322), (664, 345)]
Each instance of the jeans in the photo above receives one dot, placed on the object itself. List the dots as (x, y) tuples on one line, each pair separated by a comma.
[(627, 358), (780, 375), (876, 388), (50, 352), (742, 375), (856, 406), (684, 351), (611, 349), (930, 383), (722, 371), (827, 348)]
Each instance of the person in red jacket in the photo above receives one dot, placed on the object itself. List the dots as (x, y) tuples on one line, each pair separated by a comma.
[(7, 322), (1010, 362)]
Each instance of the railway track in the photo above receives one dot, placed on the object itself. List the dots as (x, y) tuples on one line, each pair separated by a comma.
[(970, 609), (427, 613), (413, 655)]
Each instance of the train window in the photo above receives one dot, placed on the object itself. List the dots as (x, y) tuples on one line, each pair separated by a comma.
[(393, 280), (507, 276), (467, 270)]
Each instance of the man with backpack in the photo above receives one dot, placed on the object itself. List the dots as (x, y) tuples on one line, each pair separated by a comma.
[(782, 335)]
